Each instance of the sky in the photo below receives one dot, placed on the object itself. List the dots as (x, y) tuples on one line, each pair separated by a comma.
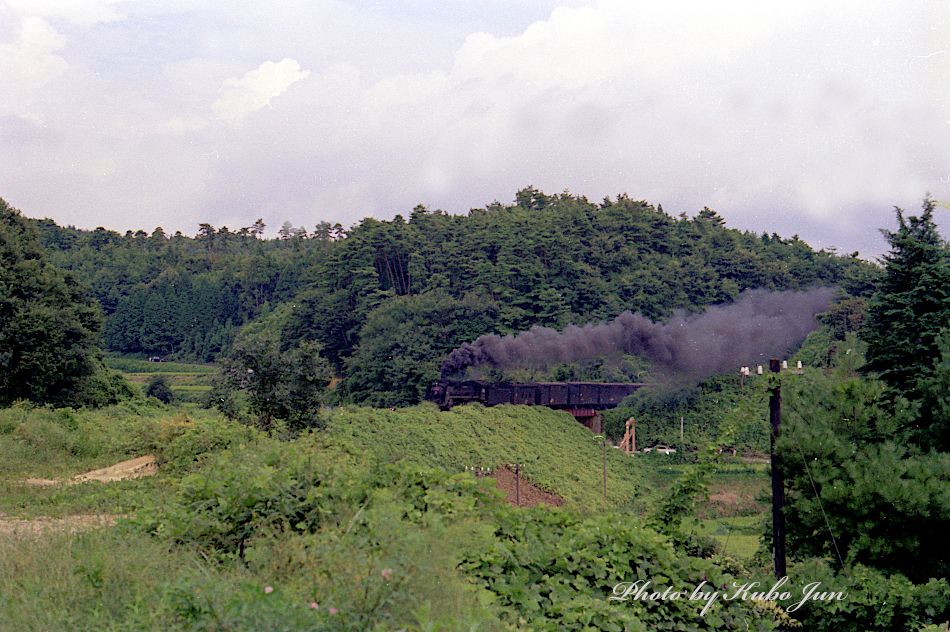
[(813, 118)]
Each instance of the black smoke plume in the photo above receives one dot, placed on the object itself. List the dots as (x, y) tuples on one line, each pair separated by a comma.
[(760, 324)]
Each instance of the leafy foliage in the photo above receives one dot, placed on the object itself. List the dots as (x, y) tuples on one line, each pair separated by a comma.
[(720, 411), (403, 341), (285, 384), (48, 326), (158, 388), (679, 503), (543, 568), (874, 601), (555, 571), (557, 453), (544, 260)]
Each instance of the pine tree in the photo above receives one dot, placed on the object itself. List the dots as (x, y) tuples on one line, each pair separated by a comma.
[(907, 315)]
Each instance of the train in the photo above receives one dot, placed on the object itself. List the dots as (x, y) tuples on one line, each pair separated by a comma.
[(592, 396)]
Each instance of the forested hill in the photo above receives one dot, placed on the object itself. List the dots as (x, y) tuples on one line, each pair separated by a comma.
[(434, 277)]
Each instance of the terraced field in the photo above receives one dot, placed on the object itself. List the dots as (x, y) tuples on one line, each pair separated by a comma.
[(737, 506), (189, 382)]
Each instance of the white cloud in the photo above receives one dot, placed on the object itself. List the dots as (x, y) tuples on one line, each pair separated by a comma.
[(27, 64), (254, 90), (81, 12), (806, 117)]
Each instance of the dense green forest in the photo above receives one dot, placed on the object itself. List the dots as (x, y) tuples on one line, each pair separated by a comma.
[(386, 300)]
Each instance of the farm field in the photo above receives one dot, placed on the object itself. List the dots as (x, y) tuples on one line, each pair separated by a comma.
[(190, 382), (737, 505)]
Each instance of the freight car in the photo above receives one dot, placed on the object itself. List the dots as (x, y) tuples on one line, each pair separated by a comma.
[(560, 395)]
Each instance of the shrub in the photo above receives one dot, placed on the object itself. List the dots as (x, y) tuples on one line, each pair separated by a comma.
[(182, 442), (873, 601), (241, 493), (101, 388), (554, 570), (159, 388)]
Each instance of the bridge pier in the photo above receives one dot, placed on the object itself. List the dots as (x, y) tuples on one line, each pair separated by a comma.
[(589, 417)]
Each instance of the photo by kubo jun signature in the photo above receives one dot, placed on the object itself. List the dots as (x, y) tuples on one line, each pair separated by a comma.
[(642, 590)]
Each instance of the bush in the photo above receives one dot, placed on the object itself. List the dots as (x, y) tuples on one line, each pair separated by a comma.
[(886, 503), (874, 601), (283, 507), (241, 493), (271, 487), (103, 387), (553, 570), (183, 442), (159, 388)]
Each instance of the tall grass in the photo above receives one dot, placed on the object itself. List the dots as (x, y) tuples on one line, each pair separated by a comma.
[(43, 442)]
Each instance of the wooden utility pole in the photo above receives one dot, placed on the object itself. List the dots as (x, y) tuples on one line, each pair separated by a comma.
[(681, 429), (778, 481), (605, 469), (517, 484)]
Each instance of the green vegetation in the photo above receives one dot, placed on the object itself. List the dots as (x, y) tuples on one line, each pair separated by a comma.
[(319, 520), (860, 448), (403, 341), (279, 384), (908, 326), (375, 518), (558, 454), (134, 366), (48, 326), (841, 438), (158, 388), (297, 509), (718, 411), (738, 536), (188, 382)]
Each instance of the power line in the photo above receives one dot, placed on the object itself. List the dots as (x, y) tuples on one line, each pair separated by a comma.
[(820, 505)]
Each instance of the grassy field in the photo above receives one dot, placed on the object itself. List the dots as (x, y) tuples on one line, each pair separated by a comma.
[(189, 382), (322, 520), (738, 535), (737, 504), (58, 444)]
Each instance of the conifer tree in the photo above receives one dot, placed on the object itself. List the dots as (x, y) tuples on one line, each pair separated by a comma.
[(906, 317)]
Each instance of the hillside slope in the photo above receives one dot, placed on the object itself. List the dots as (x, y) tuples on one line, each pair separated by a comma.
[(556, 452)]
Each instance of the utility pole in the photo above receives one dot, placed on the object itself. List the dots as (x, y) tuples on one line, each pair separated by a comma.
[(681, 429), (778, 480), (603, 443), (518, 484)]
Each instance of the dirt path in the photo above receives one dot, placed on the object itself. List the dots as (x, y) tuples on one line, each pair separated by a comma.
[(31, 527), (133, 468), (21, 527)]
